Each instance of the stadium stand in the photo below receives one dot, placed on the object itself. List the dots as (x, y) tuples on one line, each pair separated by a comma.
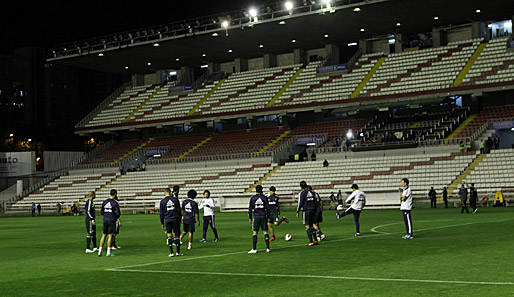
[(423, 70), (487, 115)]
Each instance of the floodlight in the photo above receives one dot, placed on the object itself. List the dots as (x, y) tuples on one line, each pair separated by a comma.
[(29, 140), (149, 64), (261, 45), (252, 12), (126, 67), (356, 9), (229, 50), (478, 11), (282, 22), (352, 44), (156, 44), (362, 30), (349, 134), (224, 24), (11, 135), (100, 54), (204, 55), (214, 34), (436, 18), (398, 24), (289, 5), (326, 1)]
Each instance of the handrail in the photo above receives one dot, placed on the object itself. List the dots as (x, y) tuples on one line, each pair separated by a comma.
[(102, 105)]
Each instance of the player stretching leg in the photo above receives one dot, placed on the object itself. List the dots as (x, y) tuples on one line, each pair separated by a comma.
[(258, 213), (274, 213), (359, 201)]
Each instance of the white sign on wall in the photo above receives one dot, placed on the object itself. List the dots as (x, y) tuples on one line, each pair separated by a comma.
[(17, 163)]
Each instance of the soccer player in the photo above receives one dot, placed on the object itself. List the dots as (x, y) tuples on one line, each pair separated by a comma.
[(309, 205), (170, 214), (319, 215), (406, 207), (118, 225), (359, 201), (90, 222), (191, 216), (274, 212), (208, 207), (111, 212), (258, 213)]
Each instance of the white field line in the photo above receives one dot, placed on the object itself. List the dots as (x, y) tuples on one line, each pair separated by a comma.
[(317, 276), (185, 258)]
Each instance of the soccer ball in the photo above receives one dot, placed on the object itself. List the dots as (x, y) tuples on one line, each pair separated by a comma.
[(288, 237), (340, 207)]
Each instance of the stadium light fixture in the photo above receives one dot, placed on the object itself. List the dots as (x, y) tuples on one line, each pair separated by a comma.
[(327, 3), (362, 30), (293, 41), (11, 135), (215, 34), (392, 41), (156, 44), (204, 66), (289, 6), (177, 59), (253, 14), (352, 44), (398, 24), (349, 134), (326, 36), (29, 140), (261, 45), (357, 9), (126, 67), (282, 22), (204, 55), (436, 18), (149, 63), (101, 54), (224, 24), (478, 11), (229, 50)]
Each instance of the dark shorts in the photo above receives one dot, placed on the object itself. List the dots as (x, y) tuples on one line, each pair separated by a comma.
[(190, 228), (109, 227), (309, 217), (259, 223), (273, 217), (319, 217), (172, 227), (90, 227)]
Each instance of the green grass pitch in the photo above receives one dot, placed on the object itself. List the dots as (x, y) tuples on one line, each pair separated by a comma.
[(452, 254)]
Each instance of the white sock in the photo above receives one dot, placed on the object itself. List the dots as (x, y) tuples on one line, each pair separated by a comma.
[(100, 250), (108, 250), (189, 245)]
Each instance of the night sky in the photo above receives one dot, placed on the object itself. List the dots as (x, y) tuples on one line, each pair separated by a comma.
[(36, 24)]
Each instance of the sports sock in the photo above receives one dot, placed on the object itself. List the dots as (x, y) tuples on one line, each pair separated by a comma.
[(100, 250), (108, 250), (88, 241), (266, 238), (93, 238), (254, 241), (309, 234), (177, 244), (170, 244)]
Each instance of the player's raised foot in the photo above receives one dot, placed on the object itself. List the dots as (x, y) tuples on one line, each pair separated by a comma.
[(268, 251), (111, 255), (285, 219), (171, 255), (88, 251), (322, 236), (337, 215), (216, 240), (202, 240), (273, 238), (357, 234), (252, 252)]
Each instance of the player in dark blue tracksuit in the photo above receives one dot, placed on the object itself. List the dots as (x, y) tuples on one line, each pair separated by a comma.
[(274, 212), (170, 214), (308, 203), (111, 212), (258, 213), (89, 209)]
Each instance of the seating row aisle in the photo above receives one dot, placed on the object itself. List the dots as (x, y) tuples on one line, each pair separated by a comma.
[(422, 70), (495, 64)]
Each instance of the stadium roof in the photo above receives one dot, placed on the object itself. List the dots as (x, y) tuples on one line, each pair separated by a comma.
[(310, 27)]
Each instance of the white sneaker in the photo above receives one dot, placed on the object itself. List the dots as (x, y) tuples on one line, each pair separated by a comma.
[(189, 247), (177, 255), (171, 255), (88, 251), (95, 250), (252, 252), (268, 250), (322, 237), (357, 234)]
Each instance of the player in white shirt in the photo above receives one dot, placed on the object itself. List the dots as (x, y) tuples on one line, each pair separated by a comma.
[(359, 201), (208, 207), (406, 207)]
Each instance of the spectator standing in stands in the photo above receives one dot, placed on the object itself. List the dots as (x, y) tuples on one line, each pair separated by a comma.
[(89, 208), (111, 212), (191, 218), (58, 208), (496, 142), (348, 144), (463, 194), (38, 209), (473, 197), (208, 207), (333, 201), (258, 214), (468, 145), (445, 197), (433, 197), (482, 146), (339, 197), (489, 145), (33, 208), (170, 215), (406, 208), (358, 199), (313, 156), (461, 146), (325, 163)]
